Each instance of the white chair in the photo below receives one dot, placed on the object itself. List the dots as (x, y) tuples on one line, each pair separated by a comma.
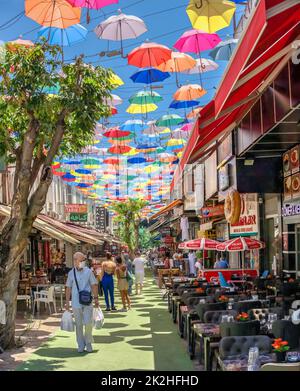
[(295, 305), (46, 297), (26, 298)]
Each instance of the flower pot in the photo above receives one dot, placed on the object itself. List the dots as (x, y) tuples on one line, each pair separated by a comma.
[(280, 356)]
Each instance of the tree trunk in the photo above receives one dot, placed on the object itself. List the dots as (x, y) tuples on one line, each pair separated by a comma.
[(137, 234)]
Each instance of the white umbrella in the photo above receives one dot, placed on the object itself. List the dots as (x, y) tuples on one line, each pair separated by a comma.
[(115, 100), (203, 65), (121, 27)]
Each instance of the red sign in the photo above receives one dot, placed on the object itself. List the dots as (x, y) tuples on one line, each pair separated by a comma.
[(213, 276), (212, 211), (168, 240), (76, 208)]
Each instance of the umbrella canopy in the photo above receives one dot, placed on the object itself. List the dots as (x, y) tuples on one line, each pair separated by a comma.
[(149, 76), (63, 37), (119, 149), (189, 92), (203, 65), (145, 97), (12, 45), (136, 160), (196, 41), (52, 13), (185, 104), (169, 120), (115, 133), (188, 127), (193, 114), (133, 125), (149, 54), (116, 81), (241, 244), (141, 109), (211, 15), (199, 244), (115, 100), (121, 27), (93, 4), (179, 62), (223, 51)]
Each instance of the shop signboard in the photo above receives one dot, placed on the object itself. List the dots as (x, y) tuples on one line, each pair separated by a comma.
[(101, 219), (287, 192), (294, 159), (223, 178), (76, 208), (290, 210), (212, 211), (166, 231), (248, 223), (206, 226), (286, 164), (79, 217), (168, 240), (295, 185)]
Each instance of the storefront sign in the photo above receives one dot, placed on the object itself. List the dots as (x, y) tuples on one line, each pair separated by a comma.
[(248, 223), (223, 178), (168, 240), (166, 231), (291, 210), (79, 217), (212, 211), (101, 219), (76, 208), (206, 226)]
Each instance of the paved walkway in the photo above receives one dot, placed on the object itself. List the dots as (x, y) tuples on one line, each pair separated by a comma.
[(144, 338)]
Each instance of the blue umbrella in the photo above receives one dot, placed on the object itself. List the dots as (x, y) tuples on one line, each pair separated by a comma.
[(223, 51), (183, 104), (133, 125), (64, 37), (136, 160), (83, 171), (148, 76)]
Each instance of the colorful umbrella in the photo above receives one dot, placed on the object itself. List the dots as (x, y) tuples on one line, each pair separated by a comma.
[(203, 65), (223, 51), (179, 62), (170, 120), (145, 97), (183, 104), (119, 149), (115, 133), (194, 113), (195, 41), (149, 76), (63, 37), (141, 109), (149, 54), (121, 27), (211, 15), (116, 81), (188, 127), (189, 92), (93, 4), (112, 161), (199, 244), (12, 45), (133, 125), (241, 244), (52, 13)]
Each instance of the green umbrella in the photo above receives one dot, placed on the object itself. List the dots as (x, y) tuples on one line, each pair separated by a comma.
[(145, 97), (169, 120), (90, 161)]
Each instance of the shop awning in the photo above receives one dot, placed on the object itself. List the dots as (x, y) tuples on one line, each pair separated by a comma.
[(264, 48), (44, 227), (167, 208)]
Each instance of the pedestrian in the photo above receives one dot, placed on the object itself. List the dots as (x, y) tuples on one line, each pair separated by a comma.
[(128, 264), (139, 272), (107, 272), (81, 278), (222, 263), (192, 259), (121, 272)]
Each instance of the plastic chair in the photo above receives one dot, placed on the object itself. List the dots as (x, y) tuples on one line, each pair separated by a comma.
[(46, 297), (225, 284)]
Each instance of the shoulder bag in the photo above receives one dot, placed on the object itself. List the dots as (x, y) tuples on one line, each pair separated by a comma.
[(85, 297)]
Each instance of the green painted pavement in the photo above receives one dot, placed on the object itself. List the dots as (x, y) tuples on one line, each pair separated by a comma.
[(144, 338)]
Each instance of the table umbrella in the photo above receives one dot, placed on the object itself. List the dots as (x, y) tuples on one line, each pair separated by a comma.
[(184, 104), (141, 109), (149, 76), (149, 54), (223, 51), (63, 37), (196, 41), (145, 97), (121, 27), (200, 244), (203, 65), (52, 13), (169, 120), (133, 125), (189, 92), (210, 15)]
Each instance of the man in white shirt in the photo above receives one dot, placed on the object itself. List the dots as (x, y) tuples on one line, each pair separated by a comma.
[(198, 266), (192, 259), (139, 271)]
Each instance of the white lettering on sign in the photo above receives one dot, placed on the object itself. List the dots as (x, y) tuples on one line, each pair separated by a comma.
[(290, 210)]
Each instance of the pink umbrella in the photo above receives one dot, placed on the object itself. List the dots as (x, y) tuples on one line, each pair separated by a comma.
[(188, 127), (94, 4), (195, 41)]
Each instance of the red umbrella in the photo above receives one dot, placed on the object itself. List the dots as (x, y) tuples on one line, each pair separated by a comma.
[(113, 111), (200, 244), (115, 133), (241, 244), (149, 54), (119, 149), (112, 161)]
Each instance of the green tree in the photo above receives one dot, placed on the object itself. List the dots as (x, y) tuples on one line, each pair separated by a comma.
[(35, 128), (128, 215), (146, 239)]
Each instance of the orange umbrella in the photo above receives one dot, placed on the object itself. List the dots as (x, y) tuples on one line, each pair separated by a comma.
[(194, 113), (12, 45), (179, 62), (52, 13), (189, 92)]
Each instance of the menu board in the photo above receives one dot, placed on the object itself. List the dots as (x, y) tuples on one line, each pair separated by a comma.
[(291, 169), (286, 164), (295, 185), (294, 159), (287, 192)]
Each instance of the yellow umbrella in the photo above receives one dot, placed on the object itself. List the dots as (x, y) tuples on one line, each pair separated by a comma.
[(173, 142), (141, 109), (116, 80), (210, 15), (150, 169), (165, 131), (92, 166), (133, 152), (179, 154)]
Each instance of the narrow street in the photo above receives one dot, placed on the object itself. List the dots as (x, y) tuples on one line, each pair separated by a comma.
[(141, 339)]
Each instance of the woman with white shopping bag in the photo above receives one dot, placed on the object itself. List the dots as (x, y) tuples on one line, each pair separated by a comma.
[(83, 285)]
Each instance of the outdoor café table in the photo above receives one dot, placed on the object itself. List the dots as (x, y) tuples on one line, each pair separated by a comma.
[(240, 363), (61, 291), (208, 333)]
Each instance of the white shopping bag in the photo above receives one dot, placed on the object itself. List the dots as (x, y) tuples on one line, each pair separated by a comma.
[(67, 323), (98, 318)]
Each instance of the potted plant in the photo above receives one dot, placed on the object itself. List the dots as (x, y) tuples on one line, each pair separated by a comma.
[(242, 317), (280, 349)]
